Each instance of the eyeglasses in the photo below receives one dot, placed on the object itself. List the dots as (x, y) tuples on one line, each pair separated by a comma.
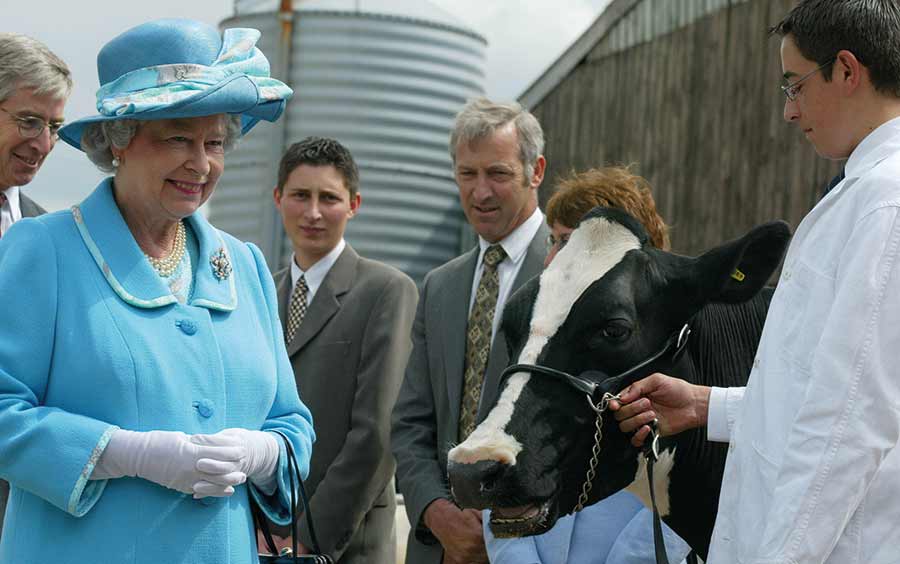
[(554, 242), (31, 126), (793, 89)]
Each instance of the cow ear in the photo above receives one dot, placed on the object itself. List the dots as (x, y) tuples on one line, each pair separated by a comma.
[(735, 271)]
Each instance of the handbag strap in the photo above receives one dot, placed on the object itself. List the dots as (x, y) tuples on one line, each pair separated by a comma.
[(294, 475), (261, 523)]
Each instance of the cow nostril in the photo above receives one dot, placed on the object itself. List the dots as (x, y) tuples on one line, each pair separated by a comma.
[(490, 477)]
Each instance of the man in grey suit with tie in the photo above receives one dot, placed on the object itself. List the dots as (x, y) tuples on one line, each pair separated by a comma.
[(34, 87), (452, 376), (347, 324)]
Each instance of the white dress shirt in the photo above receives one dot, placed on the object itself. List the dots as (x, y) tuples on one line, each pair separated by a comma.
[(516, 246), (10, 212), (813, 472), (317, 272)]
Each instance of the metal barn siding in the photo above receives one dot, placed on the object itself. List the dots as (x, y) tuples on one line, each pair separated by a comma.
[(686, 90), (387, 86)]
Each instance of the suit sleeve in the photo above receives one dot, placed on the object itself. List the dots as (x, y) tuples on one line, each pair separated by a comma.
[(414, 431), (44, 450), (848, 422), (364, 467), (287, 415)]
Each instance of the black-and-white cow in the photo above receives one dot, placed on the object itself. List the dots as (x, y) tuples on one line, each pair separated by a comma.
[(606, 303)]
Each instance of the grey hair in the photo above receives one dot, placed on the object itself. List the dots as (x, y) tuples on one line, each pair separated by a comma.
[(481, 117), (99, 138), (27, 63)]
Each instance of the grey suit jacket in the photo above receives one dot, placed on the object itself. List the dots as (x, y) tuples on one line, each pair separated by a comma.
[(348, 357), (29, 209), (426, 417)]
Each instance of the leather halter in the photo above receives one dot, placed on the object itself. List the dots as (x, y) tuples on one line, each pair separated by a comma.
[(600, 389), (596, 383)]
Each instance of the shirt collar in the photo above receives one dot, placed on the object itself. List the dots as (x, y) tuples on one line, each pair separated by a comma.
[(12, 194), (317, 272), (516, 243), (13, 203), (129, 273), (874, 148)]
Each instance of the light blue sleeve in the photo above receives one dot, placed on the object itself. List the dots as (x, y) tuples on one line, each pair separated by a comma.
[(288, 415), (509, 551), (44, 450)]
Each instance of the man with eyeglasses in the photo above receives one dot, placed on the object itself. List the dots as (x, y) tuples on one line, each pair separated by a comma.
[(813, 470), (34, 87)]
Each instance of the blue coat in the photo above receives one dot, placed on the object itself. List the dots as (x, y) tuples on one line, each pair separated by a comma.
[(90, 341)]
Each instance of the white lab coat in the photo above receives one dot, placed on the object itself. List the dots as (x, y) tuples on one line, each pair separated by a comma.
[(813, 475)]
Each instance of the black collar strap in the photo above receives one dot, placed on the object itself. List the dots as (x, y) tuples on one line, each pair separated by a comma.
[(595, 383)]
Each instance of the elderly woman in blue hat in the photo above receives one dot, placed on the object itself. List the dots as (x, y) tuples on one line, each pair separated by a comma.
[(143, 375)]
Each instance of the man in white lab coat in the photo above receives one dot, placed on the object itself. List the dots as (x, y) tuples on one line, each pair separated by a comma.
[(813, 472)]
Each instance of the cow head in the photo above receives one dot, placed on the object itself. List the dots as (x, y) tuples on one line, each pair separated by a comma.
[(608, 302)]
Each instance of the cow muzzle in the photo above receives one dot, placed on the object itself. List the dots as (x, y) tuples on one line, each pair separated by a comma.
[(474, 485)]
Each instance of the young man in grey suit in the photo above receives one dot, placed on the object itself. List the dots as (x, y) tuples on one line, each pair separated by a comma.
[(34, 87), (452, 377), (347, 323)]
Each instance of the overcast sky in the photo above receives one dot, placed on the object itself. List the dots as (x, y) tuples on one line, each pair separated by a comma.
[(524, 37)]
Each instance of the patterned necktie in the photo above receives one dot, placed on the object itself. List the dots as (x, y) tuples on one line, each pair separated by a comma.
[(2, 203), (296, 309), (478, 339)]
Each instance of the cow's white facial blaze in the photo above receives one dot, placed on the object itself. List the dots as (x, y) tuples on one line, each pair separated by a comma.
[(641, 486), (593, 249), (489, 441)]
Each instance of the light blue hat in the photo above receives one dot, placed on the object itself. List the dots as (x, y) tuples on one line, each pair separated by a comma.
[(178, 68)]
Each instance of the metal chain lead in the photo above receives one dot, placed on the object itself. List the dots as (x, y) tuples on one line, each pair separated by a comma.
[(599, 408)]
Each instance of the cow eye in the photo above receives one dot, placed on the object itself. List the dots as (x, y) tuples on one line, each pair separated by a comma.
[(615, 331)]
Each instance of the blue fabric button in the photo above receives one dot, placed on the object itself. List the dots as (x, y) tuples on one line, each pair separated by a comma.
[(204, 407), (187, 326)]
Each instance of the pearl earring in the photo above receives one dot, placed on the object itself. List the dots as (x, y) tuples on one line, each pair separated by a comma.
[(115, 162)]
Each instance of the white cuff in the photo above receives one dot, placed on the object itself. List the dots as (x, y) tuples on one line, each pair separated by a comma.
[(724, 404)]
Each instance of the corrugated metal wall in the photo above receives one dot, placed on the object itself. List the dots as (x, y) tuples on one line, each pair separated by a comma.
[(697, 107), (388, 88)]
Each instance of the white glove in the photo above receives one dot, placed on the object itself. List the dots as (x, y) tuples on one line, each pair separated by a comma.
[(170, 459), (260, 460)]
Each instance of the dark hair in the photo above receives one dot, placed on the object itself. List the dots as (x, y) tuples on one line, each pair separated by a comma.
[(870, 29), (611, 187), (320, 151)]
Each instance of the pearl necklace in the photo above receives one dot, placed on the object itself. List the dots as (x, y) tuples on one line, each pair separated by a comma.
[(166, 266)]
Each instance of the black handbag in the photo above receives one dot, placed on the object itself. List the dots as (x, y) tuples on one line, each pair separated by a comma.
[(263, 524)]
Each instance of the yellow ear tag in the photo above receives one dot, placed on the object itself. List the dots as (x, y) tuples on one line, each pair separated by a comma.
[(738, 275)]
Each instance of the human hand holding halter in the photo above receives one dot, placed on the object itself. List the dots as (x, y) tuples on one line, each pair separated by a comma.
[(258, 462), (677, 406), (170, 459)]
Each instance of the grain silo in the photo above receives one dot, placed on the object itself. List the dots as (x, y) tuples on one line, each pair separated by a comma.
[(386, 78)]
